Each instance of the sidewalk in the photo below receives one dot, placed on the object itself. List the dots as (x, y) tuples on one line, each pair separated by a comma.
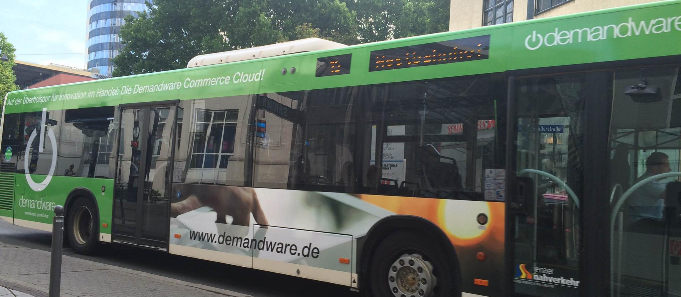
[(5, 292), (25, 272)]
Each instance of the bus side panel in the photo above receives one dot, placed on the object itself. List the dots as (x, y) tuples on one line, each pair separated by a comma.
[(300, 252), (7, 196), (36, 209), (314, 231)]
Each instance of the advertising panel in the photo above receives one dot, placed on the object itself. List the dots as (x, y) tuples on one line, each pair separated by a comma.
[(320, 230)]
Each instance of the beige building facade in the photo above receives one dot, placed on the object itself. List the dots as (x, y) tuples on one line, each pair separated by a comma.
[(468, 14)]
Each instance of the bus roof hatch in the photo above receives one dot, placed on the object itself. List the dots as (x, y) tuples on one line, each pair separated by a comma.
[(272, 50)]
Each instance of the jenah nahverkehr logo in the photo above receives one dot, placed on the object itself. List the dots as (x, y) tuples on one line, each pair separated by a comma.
[(521, 272), (627, 29), (545, 277)]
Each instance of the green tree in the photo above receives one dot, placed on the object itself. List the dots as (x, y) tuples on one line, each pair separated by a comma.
[(391, 19), (174, 31), (7, 77)]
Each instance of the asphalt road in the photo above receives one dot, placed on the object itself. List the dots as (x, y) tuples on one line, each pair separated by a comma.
[(221, 276)]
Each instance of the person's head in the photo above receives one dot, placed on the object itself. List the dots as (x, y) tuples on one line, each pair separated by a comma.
[(372, 176), (657, 163), (71, 167)]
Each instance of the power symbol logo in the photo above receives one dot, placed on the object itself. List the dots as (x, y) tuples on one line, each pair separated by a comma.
[(534, 36), (53, 141)]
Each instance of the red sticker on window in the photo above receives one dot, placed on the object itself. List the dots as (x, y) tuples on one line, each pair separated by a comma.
[(675, 247)]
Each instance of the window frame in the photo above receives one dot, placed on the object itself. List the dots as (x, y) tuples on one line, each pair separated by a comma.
[(551, 7), (499, 4)]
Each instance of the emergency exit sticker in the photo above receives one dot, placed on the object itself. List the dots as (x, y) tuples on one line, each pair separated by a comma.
[(495, 184)]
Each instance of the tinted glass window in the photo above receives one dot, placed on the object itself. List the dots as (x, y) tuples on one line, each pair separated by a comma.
[(12, 141), (87, 140), (39, 162), (550, 153), (306, 140), (432, 138), (644, 166)]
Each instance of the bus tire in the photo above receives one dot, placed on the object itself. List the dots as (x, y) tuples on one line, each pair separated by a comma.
[(82, 226), (411, 264)]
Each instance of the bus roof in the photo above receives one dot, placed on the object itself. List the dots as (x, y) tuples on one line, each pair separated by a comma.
[(634, 32)]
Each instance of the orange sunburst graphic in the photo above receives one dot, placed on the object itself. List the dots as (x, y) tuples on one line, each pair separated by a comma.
[(522, 272)]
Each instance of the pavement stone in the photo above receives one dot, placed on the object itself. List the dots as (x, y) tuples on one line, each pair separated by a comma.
[(5, 292), (29, 270)]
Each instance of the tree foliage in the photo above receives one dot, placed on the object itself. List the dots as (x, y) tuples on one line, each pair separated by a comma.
[(391, 19), (174, 31), (7, 77)]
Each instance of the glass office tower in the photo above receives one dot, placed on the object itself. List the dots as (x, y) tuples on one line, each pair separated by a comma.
[(105, 18)]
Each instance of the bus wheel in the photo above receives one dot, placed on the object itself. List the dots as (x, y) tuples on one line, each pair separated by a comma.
[(83, 226), (412, 265)]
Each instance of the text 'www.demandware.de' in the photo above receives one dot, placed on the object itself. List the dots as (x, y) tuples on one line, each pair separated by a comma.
[(307, 251)]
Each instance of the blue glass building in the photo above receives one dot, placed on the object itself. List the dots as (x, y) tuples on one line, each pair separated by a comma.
[(105, 18)]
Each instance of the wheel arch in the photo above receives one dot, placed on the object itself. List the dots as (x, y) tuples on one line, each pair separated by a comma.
[(386, 226), (75, 195)]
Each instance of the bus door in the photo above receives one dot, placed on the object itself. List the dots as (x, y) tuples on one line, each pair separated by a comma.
[(644, 187), (548, 157), (143, 172)]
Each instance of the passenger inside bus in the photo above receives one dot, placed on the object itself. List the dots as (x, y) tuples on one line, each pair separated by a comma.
[(643, 229), (646, 205)]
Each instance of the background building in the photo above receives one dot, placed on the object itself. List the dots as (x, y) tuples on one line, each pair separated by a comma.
[(105, 18), (467, 14), (30, 75)]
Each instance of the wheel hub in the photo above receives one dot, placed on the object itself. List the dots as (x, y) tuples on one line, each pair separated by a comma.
[(411, 276), (82, 225)]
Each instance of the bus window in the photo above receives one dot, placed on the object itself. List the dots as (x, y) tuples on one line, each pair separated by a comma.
[(87, 140), (431, 138), (276, 136), (39, 162), (645, 146), (306, 140), (12, 140)]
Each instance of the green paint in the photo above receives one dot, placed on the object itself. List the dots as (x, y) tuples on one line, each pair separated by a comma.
[(38, 206), (643, 31)]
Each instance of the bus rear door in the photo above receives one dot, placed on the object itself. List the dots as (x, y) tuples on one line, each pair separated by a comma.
[(143, 172)]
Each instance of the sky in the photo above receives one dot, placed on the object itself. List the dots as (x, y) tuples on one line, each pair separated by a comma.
[(46, 31)]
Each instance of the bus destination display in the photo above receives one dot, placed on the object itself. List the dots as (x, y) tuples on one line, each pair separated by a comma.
[(335, 65), (443, 52)]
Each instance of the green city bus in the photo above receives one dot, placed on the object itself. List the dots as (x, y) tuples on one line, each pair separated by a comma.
[(537, 158)]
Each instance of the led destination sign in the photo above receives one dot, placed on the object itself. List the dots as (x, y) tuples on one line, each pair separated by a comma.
[(444, 52), (336, 65)]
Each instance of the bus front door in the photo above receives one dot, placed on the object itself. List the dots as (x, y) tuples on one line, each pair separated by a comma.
[(548, 178), (143, 173)]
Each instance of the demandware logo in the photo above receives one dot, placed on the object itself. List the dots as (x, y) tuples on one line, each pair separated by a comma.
[(544, 277), (53, 140), (627, 29)]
